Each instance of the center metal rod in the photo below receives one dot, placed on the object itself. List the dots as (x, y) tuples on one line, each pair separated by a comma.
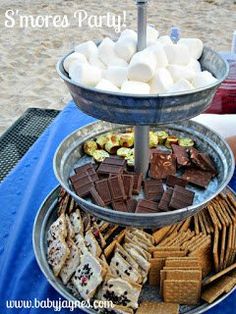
[(142, 132)]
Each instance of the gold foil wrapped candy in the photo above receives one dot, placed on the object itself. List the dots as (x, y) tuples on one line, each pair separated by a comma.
[(186, 142), (127, 139), (100, 155), (90, 147), (153, 139), (162, 136)]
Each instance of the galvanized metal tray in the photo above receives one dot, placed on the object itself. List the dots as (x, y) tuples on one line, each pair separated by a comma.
[(46, 215), (148, 109), (69, 155)]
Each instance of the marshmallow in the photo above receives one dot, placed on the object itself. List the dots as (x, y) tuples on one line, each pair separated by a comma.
[(125, 48), (180, 86), (107, 86), (160, 55), (177, 54), (179, 72), (194, 65), (161, 81), (107, 54), (117, 75), (129, 33), (152, 35), (165, 40), (142, 66), (203, 79), (75, 56), (96, 61), (87, 48), (85, 74), (194, 45), (134, 87)]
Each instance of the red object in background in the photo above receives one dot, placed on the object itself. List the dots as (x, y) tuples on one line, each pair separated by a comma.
[(224, 101)]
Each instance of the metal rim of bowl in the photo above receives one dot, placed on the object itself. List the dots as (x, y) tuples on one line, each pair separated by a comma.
[(47, 272), (95, 90), (140, 215)]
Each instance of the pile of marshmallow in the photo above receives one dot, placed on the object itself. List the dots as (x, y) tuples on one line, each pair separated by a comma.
[(163, 67)]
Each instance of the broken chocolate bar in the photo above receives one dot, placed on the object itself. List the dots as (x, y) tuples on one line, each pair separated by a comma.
[(165, 200), (116, 187), (197, 177), (202, 161), (146, 207), (96, 197), (109, 169), (162, 165), (103, 190), (83, 190), (153, 190), (114, 161), (181, 155), (181, 198), (173, 180), (85, 169), (128, 181), (119, 206)]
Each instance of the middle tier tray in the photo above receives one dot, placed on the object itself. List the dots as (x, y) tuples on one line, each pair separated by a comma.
[(70, 155)]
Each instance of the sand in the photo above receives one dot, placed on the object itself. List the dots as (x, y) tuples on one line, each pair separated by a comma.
[(28, 57)]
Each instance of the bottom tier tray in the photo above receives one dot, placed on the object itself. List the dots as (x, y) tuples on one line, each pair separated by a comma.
[(46, 215), (70, 155)]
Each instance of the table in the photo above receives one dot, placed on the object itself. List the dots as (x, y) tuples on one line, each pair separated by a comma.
[(21, 194)]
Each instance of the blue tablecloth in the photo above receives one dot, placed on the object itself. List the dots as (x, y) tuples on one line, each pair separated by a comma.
[(21, 194)]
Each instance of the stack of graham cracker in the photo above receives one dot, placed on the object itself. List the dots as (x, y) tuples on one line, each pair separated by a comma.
[(206, 242)]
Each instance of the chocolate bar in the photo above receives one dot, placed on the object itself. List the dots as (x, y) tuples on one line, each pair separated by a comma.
[(109, 169), (181, 155), (116, 187), (131, 205), (173, 180), (138, 178), (114, 161), (181, 198), (202, 161), (153, 189), (128, 181), (146, 207), (96, 197), (83, 190), (119, 206), (165, 200), (197, 177), (103, 190), (162, 165)]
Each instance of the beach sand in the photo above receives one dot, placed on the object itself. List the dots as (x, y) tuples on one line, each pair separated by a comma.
[(28, 56)]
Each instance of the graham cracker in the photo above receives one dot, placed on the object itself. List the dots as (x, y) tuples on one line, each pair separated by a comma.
[(213, 216), (223, 285), (168, 253), (165, 248), (150, 307), (220, 214), (196, 224), (182, 291), (233, 252), (202, 226), (187, 244), (110, 248), (154, 273), (231, 199), (184, 237), (222, 247), (224, 210), (204, 252), (182, 263), (168, 239), (228, 246), (207, 281), (205, 222), (216, 250), (186, 224), (160, 234), (208, 220)]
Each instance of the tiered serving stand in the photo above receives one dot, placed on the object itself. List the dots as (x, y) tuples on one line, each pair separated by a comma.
[(140, 111), (143, 111)]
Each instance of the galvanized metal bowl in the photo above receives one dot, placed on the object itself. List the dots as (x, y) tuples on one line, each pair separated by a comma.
[(70, 155), (46, 215), (148, 109)]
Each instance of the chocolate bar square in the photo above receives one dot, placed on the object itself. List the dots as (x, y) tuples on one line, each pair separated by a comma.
[(181, 155), (116, 187), (128, 181), (119, 206), (146, 207), (138, 179), (83, 190), (103, 190), (197, 177), (96, 197), (173, 180), (114, 161), (131, 205), (153, 189), (162, 165), (181, 198), (165, 200)]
